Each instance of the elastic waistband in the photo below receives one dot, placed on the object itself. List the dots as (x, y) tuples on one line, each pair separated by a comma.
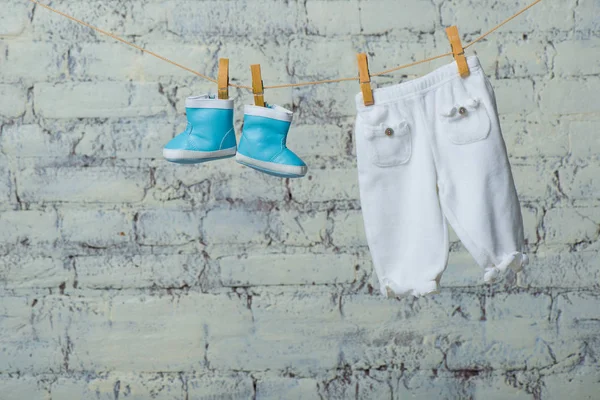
[(418, 85)]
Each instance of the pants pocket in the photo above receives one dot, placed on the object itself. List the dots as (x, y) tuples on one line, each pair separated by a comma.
[(466, 122), (389, 144)]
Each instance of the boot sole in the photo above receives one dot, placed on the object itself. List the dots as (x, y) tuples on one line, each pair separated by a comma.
[(196, 157), (270, 168)]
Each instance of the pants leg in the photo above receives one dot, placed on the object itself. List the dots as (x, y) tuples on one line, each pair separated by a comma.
[(476, 186), (404, 225)]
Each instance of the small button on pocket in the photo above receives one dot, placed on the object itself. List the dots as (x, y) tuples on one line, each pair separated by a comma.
[(466, 123), (390, 144)]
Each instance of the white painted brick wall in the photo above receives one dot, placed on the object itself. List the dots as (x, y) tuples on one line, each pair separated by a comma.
[(123, 276)]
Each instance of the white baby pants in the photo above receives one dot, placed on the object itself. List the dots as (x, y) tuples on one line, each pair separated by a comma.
[(431, 150)]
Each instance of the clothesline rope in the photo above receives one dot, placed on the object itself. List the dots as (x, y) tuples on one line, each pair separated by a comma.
[(208, 78)]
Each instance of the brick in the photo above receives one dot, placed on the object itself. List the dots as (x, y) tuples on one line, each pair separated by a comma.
[(25, 387), (385, 16), (179, 184), (521, 58), (126, 139), (586, 16), (392, 50), (299, 228), (365, 310), (479, 16), (316, 186), (334, 105), (138, 271), (534, 137), (130, 386), (330, 18), (584, 138), (393, 328), (531, 221), (135, 271), (12, 101), (131, 18), (575, 57), (28, 228), (247, 52), (146, 333), (249, 185), (566, 97), (27, 345), (563, 270), (87, 185), (317, 140), (336, 52), (348, 229), (98, 100), (581, 383), (153, 69), (168, 227), (5, 181), (579, 315), (213, 387), (424, 385), (571, 225), (359, 386), (488, 345), (284, 336), (514, 96), (532, 181), (517, 306), (287, 269), (187, 19), (32, 61), (15, 18), (101, 228), (108, 61), (168, 174), (20, 272), (496, 388), (234, 226), (31, 140), (289, 388), (584, 183)]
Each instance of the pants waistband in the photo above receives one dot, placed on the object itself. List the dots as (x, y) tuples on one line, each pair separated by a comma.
[(417, 85)]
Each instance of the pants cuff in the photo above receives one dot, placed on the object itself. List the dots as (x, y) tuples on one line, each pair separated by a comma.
[(390, 289), (515, 261)]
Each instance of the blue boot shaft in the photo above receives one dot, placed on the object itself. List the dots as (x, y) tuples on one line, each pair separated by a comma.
[(263, 142), (209, 133), (208, 129)]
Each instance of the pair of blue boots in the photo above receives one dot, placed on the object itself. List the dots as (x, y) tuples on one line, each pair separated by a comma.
[(209, 135)]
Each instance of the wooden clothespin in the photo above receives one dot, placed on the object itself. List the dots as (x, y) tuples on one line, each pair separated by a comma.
[(223, 78), (257, 85), (457, 51), (365, 79)]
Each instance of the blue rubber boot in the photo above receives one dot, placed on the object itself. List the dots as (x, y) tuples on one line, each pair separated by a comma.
[(262, 145), (209, 133)]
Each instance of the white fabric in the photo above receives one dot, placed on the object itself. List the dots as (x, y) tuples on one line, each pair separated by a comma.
[(273, 112), (206, 101), (445, 132)]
